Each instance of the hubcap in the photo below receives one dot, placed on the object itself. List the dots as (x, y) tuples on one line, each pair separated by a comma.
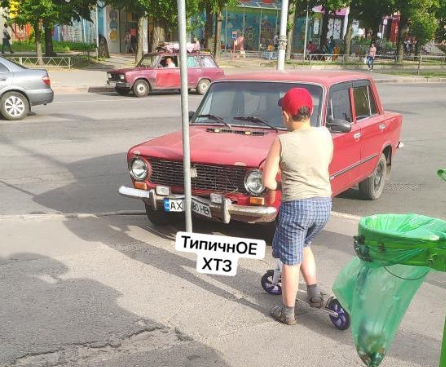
[(378, 176), (141, 88), (14, 106), (204, 87)]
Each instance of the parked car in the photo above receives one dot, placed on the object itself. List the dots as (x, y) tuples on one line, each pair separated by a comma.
[(156, 72), (232, 131), (21, 88)]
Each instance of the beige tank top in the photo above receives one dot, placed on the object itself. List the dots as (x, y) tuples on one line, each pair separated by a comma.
[(305, 157)]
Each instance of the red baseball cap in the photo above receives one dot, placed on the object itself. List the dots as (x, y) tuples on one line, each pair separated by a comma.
[(294, 99)]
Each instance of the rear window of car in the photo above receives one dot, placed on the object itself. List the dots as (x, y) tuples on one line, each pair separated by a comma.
[(208, 62)]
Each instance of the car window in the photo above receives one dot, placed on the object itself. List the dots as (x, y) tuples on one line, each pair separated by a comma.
[(148, 61), (3, 68), (208, 62), (339, 105), (373, 108), (260, 99), (362, 102), (192, 62), (164, 61)]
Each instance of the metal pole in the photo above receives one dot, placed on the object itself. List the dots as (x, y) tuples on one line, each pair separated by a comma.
[(306, 30), (282, 36), (184, 113), (97, 32)]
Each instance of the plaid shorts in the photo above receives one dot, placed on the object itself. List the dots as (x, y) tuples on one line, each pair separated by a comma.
[(298, 223)]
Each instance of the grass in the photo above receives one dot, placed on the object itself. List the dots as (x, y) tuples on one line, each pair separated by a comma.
[(59, 46)]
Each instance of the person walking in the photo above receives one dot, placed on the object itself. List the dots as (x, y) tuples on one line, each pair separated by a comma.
[(371, 56), (6, 40), (128, 42), (302, 155)]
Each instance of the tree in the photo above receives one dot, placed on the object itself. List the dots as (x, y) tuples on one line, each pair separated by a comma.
[(441, 17), (290, 29), (329, 6)]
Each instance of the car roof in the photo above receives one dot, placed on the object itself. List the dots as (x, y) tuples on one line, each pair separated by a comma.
[(167, 53), (326, 78)]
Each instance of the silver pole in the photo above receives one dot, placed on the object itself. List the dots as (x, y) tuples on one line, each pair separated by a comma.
[(306, 30), (282, 36), (184, 113), (97, 31)]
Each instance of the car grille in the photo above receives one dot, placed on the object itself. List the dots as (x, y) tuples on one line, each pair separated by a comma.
[(209, 177), (114, 77)]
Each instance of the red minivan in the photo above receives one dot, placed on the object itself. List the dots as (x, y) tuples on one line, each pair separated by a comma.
[(160, 71)]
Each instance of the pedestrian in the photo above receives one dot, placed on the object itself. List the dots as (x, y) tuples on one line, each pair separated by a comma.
[(331, 46), (128, 42), (197, 45), (276, 42), (303, 156), (371, 56), (310, 48), (6, 40)]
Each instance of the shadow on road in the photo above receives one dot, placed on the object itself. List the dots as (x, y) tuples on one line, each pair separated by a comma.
[(55, 318)]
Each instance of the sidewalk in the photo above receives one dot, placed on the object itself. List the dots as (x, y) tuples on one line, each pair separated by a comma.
[(111, 290), (93, 78)]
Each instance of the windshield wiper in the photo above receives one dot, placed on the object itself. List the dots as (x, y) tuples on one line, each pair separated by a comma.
[(255, 119), (216, 119)]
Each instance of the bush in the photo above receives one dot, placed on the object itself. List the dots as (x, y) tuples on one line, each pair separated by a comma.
[(59, 46)]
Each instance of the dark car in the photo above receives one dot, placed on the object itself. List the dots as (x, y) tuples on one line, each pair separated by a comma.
[(21, 88), (156, 72)]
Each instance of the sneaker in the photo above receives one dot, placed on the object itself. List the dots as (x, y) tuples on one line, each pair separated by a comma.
[(277, 312)]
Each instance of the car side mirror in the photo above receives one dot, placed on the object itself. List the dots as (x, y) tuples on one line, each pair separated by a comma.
[(338, 125), (191, 115)]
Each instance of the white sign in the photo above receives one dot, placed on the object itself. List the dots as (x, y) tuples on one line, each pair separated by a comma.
[(219, 254)]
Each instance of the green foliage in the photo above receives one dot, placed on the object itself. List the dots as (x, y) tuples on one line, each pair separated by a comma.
[(423, 26), (28, 46)]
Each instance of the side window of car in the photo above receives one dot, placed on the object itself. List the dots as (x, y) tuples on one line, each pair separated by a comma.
[(208, 62), (3, 68), (339, 106), (192, 62), (362, 102), (373, 108)]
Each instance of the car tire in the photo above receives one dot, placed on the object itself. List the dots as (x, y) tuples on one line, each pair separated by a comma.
[(141, 88), (14, 106), (372, 187), (122, 91), (157, 217), (203, 86)]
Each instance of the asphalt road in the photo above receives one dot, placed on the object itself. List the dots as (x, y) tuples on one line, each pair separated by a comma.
[(70, 156), (111, 291)]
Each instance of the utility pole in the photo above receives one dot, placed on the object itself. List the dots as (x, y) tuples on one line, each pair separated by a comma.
[(184, 113), (282, 36), (306, 34)]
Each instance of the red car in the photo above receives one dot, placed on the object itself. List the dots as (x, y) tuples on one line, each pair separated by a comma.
[(160, 71), (232, 131)]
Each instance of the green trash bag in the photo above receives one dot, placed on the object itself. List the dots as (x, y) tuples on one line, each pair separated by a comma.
[(395, 253), (376, 299)]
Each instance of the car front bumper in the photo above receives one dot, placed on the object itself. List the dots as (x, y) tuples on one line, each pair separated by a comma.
[(226, 211), (116, 84)]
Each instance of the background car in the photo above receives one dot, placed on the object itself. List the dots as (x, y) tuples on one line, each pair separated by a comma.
[(21, 88), (152, 73)]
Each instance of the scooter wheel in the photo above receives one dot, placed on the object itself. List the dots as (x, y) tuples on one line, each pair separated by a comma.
[(268, 286), (342, 321)]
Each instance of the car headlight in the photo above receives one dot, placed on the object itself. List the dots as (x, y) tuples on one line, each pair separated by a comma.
[(138, 169), (253, 182), (109, 76), (121, 76)]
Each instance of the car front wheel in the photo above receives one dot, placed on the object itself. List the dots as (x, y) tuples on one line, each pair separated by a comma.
[(14, 106), (203, 86), (372, 187), (157, 217), (141, 88)]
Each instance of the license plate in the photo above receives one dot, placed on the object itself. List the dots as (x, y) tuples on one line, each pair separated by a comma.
[(177, 205)]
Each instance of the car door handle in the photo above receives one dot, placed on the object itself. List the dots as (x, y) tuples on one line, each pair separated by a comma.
[(382, 127), (356, 136)]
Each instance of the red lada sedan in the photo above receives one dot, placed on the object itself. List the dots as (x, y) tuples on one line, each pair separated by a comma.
[(232, 131), (161, 71)]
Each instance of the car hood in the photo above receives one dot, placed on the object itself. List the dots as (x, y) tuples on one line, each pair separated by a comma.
[(220, 148), (125, 70)]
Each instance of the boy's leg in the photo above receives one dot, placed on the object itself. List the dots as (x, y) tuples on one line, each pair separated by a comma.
[(308, 267), (290, 284), (3, 47)]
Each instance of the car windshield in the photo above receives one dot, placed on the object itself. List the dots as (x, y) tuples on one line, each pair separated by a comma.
[(237, 102), (148, 61)]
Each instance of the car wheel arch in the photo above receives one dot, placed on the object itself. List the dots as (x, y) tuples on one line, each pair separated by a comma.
[(22, 92), (145, 79)]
